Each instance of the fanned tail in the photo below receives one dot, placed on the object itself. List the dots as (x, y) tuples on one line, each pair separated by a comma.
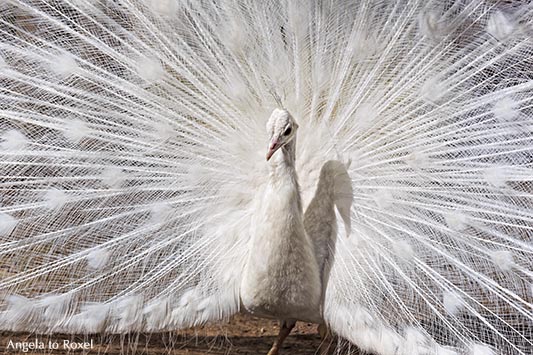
[(131, 152)]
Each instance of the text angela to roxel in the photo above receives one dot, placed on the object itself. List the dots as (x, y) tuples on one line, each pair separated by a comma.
[(37, 344)]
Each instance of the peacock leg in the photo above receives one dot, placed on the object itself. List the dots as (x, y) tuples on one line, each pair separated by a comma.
[(286, 327), (327, 339)]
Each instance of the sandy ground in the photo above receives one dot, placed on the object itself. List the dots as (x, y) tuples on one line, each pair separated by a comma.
[(243, 335)]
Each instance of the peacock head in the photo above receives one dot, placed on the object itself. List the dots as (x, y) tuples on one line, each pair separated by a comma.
[(281, 128)]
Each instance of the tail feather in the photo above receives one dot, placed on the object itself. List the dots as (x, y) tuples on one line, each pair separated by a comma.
[(131, 156)]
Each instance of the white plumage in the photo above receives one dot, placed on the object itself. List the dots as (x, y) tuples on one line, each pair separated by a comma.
[(290, 253), (135, 194), (281, 277)]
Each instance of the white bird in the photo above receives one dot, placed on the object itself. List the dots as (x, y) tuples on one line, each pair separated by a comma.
[(285, 274), (136, 197)]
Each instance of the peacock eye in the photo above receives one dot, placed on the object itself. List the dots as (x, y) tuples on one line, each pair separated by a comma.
[(287, 131)]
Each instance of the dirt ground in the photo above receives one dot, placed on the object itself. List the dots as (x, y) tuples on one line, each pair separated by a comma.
[(243, 335)]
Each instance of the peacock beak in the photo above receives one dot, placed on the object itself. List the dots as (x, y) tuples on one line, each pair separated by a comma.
[(274, 145)]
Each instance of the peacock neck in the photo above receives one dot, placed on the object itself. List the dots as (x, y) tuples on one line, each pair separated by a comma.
[(282, 166)]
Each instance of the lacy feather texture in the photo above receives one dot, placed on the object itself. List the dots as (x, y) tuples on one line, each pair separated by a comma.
[(133, 170)]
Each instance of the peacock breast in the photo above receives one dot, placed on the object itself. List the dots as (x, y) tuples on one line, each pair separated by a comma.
[(281, 277)]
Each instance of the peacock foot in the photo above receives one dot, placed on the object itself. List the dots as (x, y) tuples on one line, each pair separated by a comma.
[(273, 351), (286, 327)]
